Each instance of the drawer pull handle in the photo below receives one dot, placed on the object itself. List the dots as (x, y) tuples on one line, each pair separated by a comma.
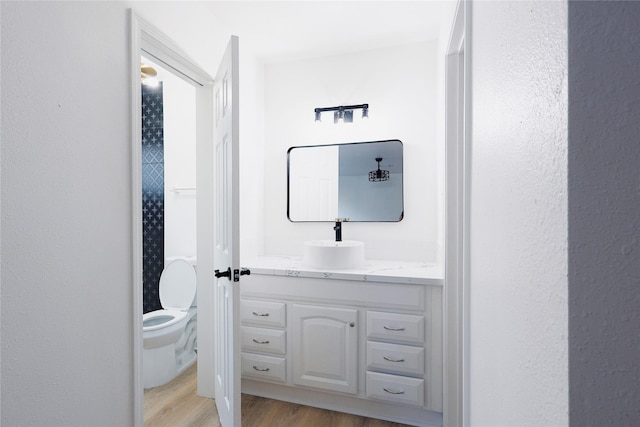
[(388, 390), (389, 359), (393, 328), (260, 342), (261, 314), (260, 369)]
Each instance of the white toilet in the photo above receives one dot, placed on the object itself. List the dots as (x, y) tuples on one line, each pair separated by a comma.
[(169, 335)]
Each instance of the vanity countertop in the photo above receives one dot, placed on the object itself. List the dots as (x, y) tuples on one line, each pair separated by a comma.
[(373, 271)]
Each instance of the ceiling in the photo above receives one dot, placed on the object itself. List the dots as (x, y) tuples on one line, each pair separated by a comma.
[(287, 30)]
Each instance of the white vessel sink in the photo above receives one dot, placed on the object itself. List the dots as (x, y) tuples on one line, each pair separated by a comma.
[(334, 255)]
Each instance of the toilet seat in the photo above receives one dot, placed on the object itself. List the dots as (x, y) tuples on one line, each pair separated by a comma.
[(162, 319)]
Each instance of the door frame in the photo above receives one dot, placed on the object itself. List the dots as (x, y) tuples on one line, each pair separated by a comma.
[(146, 39), (457, 217)]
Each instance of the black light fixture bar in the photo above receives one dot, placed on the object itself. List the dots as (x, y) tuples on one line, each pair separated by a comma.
[(342, 107), (343, 112)]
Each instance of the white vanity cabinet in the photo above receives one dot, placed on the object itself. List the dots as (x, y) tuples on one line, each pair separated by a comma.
[(361, 346)]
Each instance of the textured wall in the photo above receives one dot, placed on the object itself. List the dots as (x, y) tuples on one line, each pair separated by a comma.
[(66, 215), (518, 272), (604, 213)]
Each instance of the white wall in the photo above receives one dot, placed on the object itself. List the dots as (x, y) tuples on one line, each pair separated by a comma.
[(604, 213), (518, 272), (399, 84), (66, 215), (252, 153), (179, 102)]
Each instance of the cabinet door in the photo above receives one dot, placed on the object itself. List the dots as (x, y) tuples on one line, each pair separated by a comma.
[(325, 347)]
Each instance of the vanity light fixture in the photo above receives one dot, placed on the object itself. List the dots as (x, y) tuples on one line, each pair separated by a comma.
[(378, 175), (343, 113)]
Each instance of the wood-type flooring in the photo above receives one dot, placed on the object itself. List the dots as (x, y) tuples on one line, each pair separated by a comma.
[(176, 404)]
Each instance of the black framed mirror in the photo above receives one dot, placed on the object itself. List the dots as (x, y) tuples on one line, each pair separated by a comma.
[(360, 181)]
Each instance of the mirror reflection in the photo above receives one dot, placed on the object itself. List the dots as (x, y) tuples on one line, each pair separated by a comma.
[(361, 181)]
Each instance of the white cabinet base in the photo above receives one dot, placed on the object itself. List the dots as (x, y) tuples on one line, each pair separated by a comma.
[(344, 403), (345, 343)]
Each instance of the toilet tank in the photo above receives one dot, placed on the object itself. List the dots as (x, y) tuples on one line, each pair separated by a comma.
[(191, 259)]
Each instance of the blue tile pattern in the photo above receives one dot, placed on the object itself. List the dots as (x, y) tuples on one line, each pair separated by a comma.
[(152, 195)]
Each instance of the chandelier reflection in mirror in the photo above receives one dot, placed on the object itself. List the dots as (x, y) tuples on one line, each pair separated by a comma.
[(343, 113), (378, 175)]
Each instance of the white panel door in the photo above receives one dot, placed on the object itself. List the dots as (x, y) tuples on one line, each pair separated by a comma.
[(226, 255), (325, 347)]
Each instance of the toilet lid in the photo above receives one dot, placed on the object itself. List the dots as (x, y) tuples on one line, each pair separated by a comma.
[(177, 285)]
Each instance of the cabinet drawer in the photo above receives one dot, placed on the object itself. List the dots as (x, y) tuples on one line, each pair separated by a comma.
[(266, 313), (264, 367), (397, 358), (396, 327), (263, 340), (394, 388)]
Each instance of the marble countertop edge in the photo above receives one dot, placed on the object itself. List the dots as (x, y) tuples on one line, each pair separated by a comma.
[(374, 271)]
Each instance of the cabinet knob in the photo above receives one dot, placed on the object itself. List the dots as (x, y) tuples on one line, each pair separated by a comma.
[(352, 324)]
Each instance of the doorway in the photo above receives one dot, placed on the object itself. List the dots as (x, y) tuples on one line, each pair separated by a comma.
[(148, 40), (168, 174), (149, 43)]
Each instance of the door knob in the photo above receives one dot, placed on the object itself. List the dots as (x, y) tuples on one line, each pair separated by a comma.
[(226, 274)]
